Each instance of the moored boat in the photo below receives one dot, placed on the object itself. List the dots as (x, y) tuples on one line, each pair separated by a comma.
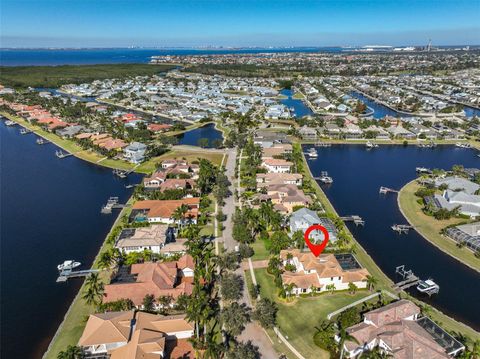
[(68, 265), (463, 145), (428, 286)]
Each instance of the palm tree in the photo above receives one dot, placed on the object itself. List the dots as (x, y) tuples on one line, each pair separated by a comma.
[(289, 289), (344, 336), (371, 282), (375, 353), (331, 288), (165, 301), (94, 289), (72, 352), (179, 213), (105, 260), (352, 288)]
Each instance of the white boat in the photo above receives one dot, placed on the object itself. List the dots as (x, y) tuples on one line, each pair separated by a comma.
[(68, 265), (312, 153), (371, 144), (422, 170), (463, 145), (428, 286), (326, 179), (10, 123)]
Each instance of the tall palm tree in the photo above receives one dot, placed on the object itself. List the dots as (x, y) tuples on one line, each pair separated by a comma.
[(94, 289), (179, 213), (72, 352), (344, 337), (371, 282)]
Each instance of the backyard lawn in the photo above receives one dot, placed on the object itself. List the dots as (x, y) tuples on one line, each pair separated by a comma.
[(430, 228), (297, 320)]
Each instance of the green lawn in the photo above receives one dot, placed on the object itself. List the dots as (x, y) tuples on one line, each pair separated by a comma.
[(430, 228), (260, 251), (74, 322), (297, 320)]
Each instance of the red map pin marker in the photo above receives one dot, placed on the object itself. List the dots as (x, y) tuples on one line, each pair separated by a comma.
[(316, 249)]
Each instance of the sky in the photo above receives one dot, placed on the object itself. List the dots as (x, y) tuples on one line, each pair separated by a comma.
[(237, 23)]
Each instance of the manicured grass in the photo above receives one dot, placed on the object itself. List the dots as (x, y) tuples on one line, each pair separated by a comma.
[(297, 320), (260, 251), (383, 281), (74, 322), (189, 155), (71, 146), (430, 228), (298, 96), (56, 76)]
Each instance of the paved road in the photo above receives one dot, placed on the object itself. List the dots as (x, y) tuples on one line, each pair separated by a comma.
[(253, 331)]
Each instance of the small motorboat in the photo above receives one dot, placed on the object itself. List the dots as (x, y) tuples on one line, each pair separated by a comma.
[(325, 178), (371, 144), (422, 170), (68, 265), (312, 153), (428, 286), (463, 145), (10, 123)]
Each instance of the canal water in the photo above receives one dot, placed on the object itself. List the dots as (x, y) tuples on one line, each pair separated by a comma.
[(358, 174), (299, 107), (192, 137), (50, 212)]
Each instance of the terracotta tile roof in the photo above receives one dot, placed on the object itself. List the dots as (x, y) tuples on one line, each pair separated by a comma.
[(109, 327), (166, 208)]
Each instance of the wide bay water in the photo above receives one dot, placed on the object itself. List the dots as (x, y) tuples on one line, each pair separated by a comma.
[(50, 212), (358, 174)]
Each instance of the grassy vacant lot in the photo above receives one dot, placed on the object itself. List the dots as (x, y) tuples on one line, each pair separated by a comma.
[(56, 76), (189, 155), (297, 320), (430, 228)]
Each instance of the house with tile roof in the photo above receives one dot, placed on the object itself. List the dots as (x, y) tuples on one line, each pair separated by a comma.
[(157, 278), (136, 335), (162, 211), (317, 274), (400, 331)]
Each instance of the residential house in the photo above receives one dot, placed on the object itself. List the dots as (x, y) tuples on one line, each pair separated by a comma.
[(320, 274), (266, 179), (277, 165), (135, 152), (399, 330), (157, 278), (285, 197), (134, 335), (152, 238), (162, 211), (303, 218)]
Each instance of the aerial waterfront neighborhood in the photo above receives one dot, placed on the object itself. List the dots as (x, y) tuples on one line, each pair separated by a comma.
[(240, 179)]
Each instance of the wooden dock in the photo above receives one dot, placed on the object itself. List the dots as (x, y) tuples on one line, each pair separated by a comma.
[(401, 228), (385, 190), (42, 141), (112, 203), (65, 275), (409, 278), (357, 220), (60, 154)]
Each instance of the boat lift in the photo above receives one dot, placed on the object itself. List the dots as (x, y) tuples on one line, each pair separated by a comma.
[(67, 274), (385, 190)]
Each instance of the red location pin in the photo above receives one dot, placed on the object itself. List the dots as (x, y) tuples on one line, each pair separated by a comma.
[(316, 249)]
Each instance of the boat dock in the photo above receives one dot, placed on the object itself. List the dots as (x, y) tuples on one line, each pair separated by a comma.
[(401, 228), (385, 190), (42, 141), (24, 131), (357, 220), (112, 203), (67, 274), (61, 154), (409, 278)]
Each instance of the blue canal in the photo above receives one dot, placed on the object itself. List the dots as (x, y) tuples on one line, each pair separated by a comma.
[(299, 107), (50, 212), (208, 132), (358, 174)]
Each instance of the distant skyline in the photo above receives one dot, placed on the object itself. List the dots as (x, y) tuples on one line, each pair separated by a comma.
[(238, 23)]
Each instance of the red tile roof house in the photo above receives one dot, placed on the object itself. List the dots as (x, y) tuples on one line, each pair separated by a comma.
[(158, 127), (398, 330), (155, 278), (161, 211)]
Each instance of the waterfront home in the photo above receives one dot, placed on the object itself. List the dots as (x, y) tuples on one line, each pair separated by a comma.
[(285, 197), (176, 247), (152, 238), (274, 165), (69, 132), (135, 152), (158, 278), (467, 204), (468, 234), (158, 127), (162, 211), (352, 132), (170, 169), (308, 133), (456, 184), (174, 183), (379, 132), (133, 334), (399, 330), (266, 179), (303, 218), (277, 150), (332, 130), (308, 273), (398, 132), (422, 131)]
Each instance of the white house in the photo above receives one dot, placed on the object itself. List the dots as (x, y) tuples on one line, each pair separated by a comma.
[(274, 165)]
